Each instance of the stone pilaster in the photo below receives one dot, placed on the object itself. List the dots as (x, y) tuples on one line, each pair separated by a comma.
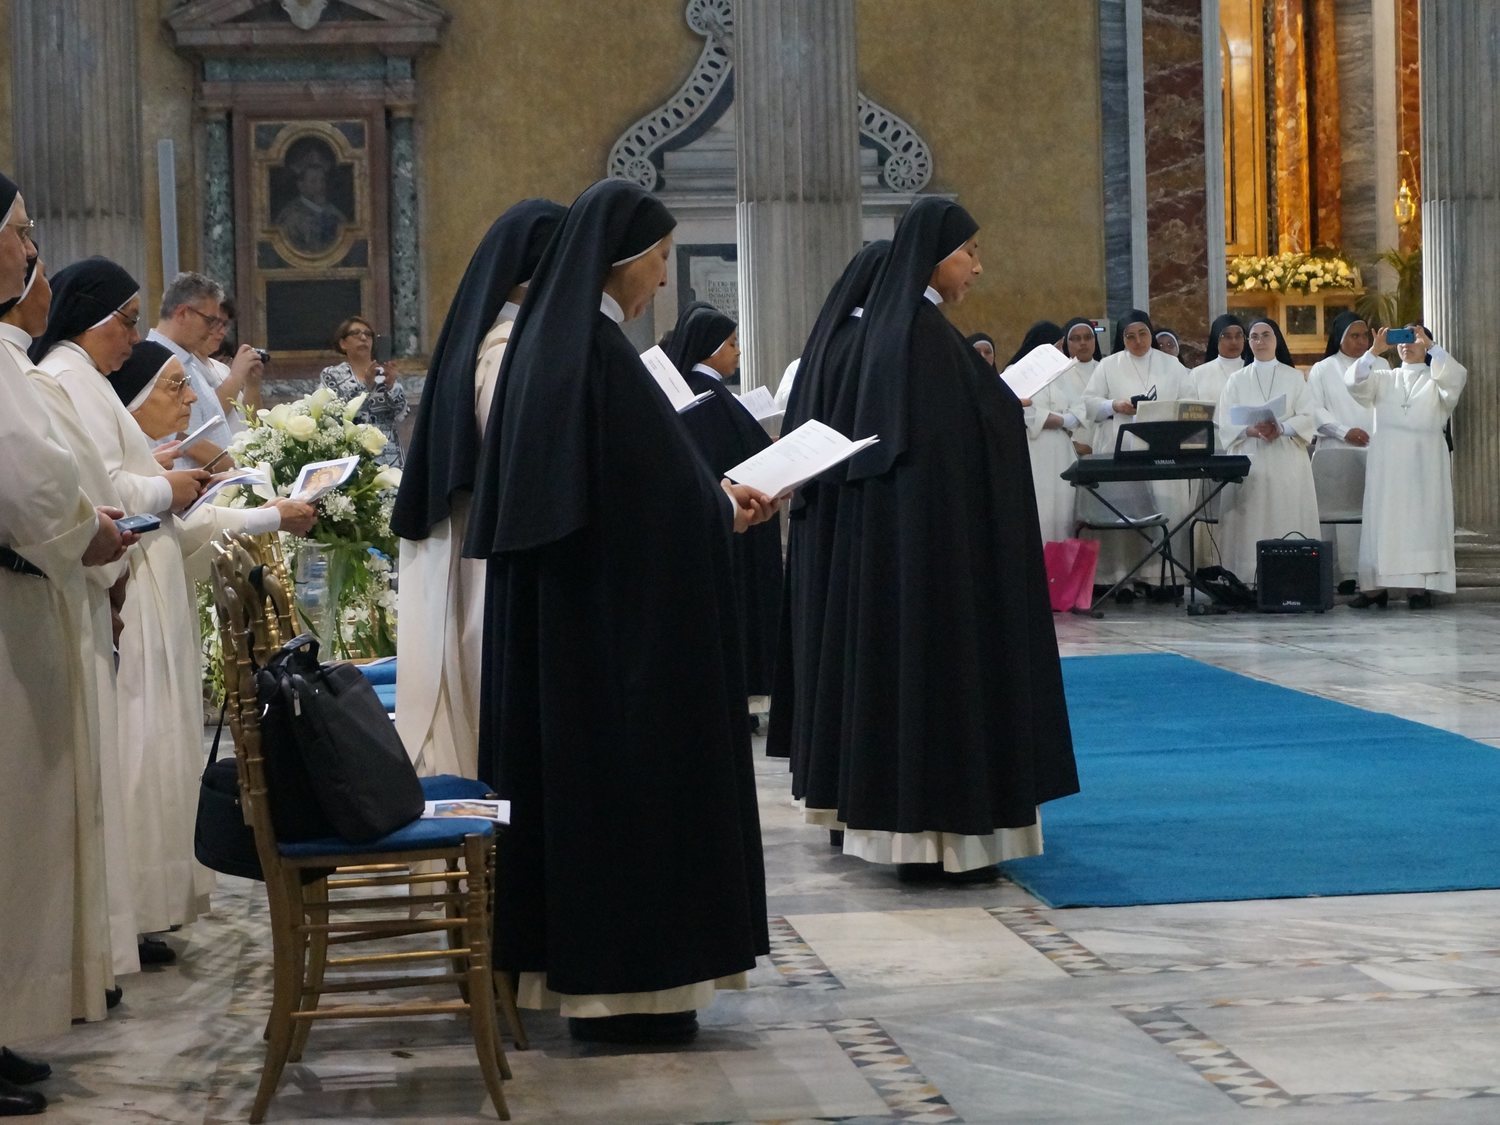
[(798, 207), (218, 201), (406, 310), (1460, 45), (76, 101)]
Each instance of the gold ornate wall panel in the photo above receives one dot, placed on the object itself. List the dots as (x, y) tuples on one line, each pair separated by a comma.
[(1242, 54)]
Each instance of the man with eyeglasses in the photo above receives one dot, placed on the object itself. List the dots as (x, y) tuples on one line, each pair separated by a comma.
[(191, 317)]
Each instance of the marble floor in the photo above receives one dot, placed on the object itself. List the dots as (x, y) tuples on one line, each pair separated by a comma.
[(885, 1002)]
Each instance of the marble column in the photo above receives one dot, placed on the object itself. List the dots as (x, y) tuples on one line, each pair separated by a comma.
[(1293, 181), (1127, 278), (76, 103), (218, 200), (1177, 171), (1460, 53), (406, 311), (1354, 25), (798, 207), (1409, 104)]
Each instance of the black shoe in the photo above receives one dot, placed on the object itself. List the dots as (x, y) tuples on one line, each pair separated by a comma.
[(18, 1102), (154, 951), (1347, 587), (754, 723), (934, 873), (919, 872), (835, 837), (1124, 597), (670, 1027), (1420, 601), (113, 996), (21, 1071), (1365, 601), (974, 876)]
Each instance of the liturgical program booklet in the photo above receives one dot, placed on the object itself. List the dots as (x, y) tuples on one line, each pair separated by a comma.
[(812, 448), (670, 380), (1030, 374), (1247, 415), (763, 407)]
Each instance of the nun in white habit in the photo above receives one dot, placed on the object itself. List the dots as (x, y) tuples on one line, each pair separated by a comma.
[(1342, 419), (442, 593), (159, 683), (1136, 368), (1056, 425), (1277, 498), (1408, 515)]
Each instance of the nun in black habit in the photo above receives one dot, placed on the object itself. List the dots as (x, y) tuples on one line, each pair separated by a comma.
[(630, 882), (442, 594), (954, 726), (807, 705), (705, 348)]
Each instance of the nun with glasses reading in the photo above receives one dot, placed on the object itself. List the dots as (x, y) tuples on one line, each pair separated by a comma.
[(630, 882), (442, 594), (705, 347), (1277, 498), (955, 728)]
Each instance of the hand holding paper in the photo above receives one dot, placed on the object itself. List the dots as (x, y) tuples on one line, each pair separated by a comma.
[(809, 450)]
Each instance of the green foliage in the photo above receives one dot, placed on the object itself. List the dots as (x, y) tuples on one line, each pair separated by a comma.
[(1383, 308)]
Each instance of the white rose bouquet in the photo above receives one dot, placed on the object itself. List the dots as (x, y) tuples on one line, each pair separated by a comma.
[(354, 520), (1291, 273)]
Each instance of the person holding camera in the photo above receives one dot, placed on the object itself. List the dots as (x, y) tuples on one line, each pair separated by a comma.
[(235, 372), (1408, 512), (362, 374)]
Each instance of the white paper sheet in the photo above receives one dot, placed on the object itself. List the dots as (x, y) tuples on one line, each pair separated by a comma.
[(201, 432), (812, 448), (1247, 415), (763, 407), (1030, 374), (670, 380), (249, 475)]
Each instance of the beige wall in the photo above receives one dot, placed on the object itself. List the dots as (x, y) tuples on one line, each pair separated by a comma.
[(525, 99), (518, 102), (1007, 94)]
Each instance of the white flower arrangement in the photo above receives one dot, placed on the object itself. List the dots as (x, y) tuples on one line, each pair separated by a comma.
[(1291, 273)]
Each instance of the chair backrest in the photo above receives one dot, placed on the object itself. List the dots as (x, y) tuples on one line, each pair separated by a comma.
[(254, 618), (1133, 498), (1339, 481)]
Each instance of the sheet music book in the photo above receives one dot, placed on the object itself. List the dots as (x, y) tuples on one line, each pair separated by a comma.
[(670, 380), (250, 475), (812, 448), (1031, 374), (1246, 415), (764, 409)]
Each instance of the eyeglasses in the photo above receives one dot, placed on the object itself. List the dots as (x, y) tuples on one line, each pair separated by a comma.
[(359, 333), (176, 385), (25, 231), (130, 321), (214, 322)]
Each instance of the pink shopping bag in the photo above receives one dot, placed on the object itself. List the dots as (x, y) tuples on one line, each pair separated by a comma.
[(1070, 573)]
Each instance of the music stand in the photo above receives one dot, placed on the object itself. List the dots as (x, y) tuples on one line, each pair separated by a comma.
[(1165, 441)]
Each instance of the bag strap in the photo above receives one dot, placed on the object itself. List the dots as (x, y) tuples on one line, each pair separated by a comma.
[(213, 755)]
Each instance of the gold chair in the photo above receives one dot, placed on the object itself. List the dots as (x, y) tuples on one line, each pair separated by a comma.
[(331, 892)]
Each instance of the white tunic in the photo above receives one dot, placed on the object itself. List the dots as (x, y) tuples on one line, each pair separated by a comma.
[(1277, 498), (1052, 450), (1123, 376), (1209, 379), (53, 909), (441, 610), (1408, 540), (159, 685), (1337, 411)]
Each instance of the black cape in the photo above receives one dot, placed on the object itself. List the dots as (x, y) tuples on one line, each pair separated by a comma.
[(951, 710), (808, 665), (613, 712), (725, 433), (444, 450)]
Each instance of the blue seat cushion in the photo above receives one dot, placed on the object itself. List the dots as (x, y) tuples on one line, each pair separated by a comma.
[(379, 671), (418, 835), (451, 787), (387, 695)]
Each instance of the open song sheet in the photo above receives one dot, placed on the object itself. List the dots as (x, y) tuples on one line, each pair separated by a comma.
[(670, 380), (812, 448)]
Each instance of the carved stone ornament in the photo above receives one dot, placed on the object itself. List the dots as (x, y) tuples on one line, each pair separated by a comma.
[(707, 93), (305, 14)]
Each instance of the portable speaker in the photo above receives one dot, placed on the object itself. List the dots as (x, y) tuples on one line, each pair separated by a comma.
[(1295, 575)]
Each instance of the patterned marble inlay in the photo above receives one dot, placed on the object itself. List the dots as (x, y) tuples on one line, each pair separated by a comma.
[(799, 966), (1173, 1027)]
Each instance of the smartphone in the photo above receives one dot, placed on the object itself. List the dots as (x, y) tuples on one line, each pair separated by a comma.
[(380, 350), (138, 524), (1400, 335)]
